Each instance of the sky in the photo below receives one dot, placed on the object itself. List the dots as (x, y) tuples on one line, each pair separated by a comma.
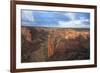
[(61, 19)]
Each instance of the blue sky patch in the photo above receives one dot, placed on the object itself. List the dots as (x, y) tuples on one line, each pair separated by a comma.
[(61, 19)]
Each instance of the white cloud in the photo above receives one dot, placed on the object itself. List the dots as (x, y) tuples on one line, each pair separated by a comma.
[(72, 16), (27, 15), (74, 23)]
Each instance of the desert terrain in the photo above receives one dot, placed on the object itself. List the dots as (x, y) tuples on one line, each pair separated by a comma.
[(40, 44)]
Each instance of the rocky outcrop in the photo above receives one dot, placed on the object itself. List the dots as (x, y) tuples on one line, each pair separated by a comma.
[(26, 33), (67, 42), (33, 44)]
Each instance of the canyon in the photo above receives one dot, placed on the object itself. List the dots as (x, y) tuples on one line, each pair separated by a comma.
[(41, 44)]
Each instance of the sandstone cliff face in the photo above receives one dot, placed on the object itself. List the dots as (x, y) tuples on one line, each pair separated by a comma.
[(68, 39), (26, 34), (32, 47)]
